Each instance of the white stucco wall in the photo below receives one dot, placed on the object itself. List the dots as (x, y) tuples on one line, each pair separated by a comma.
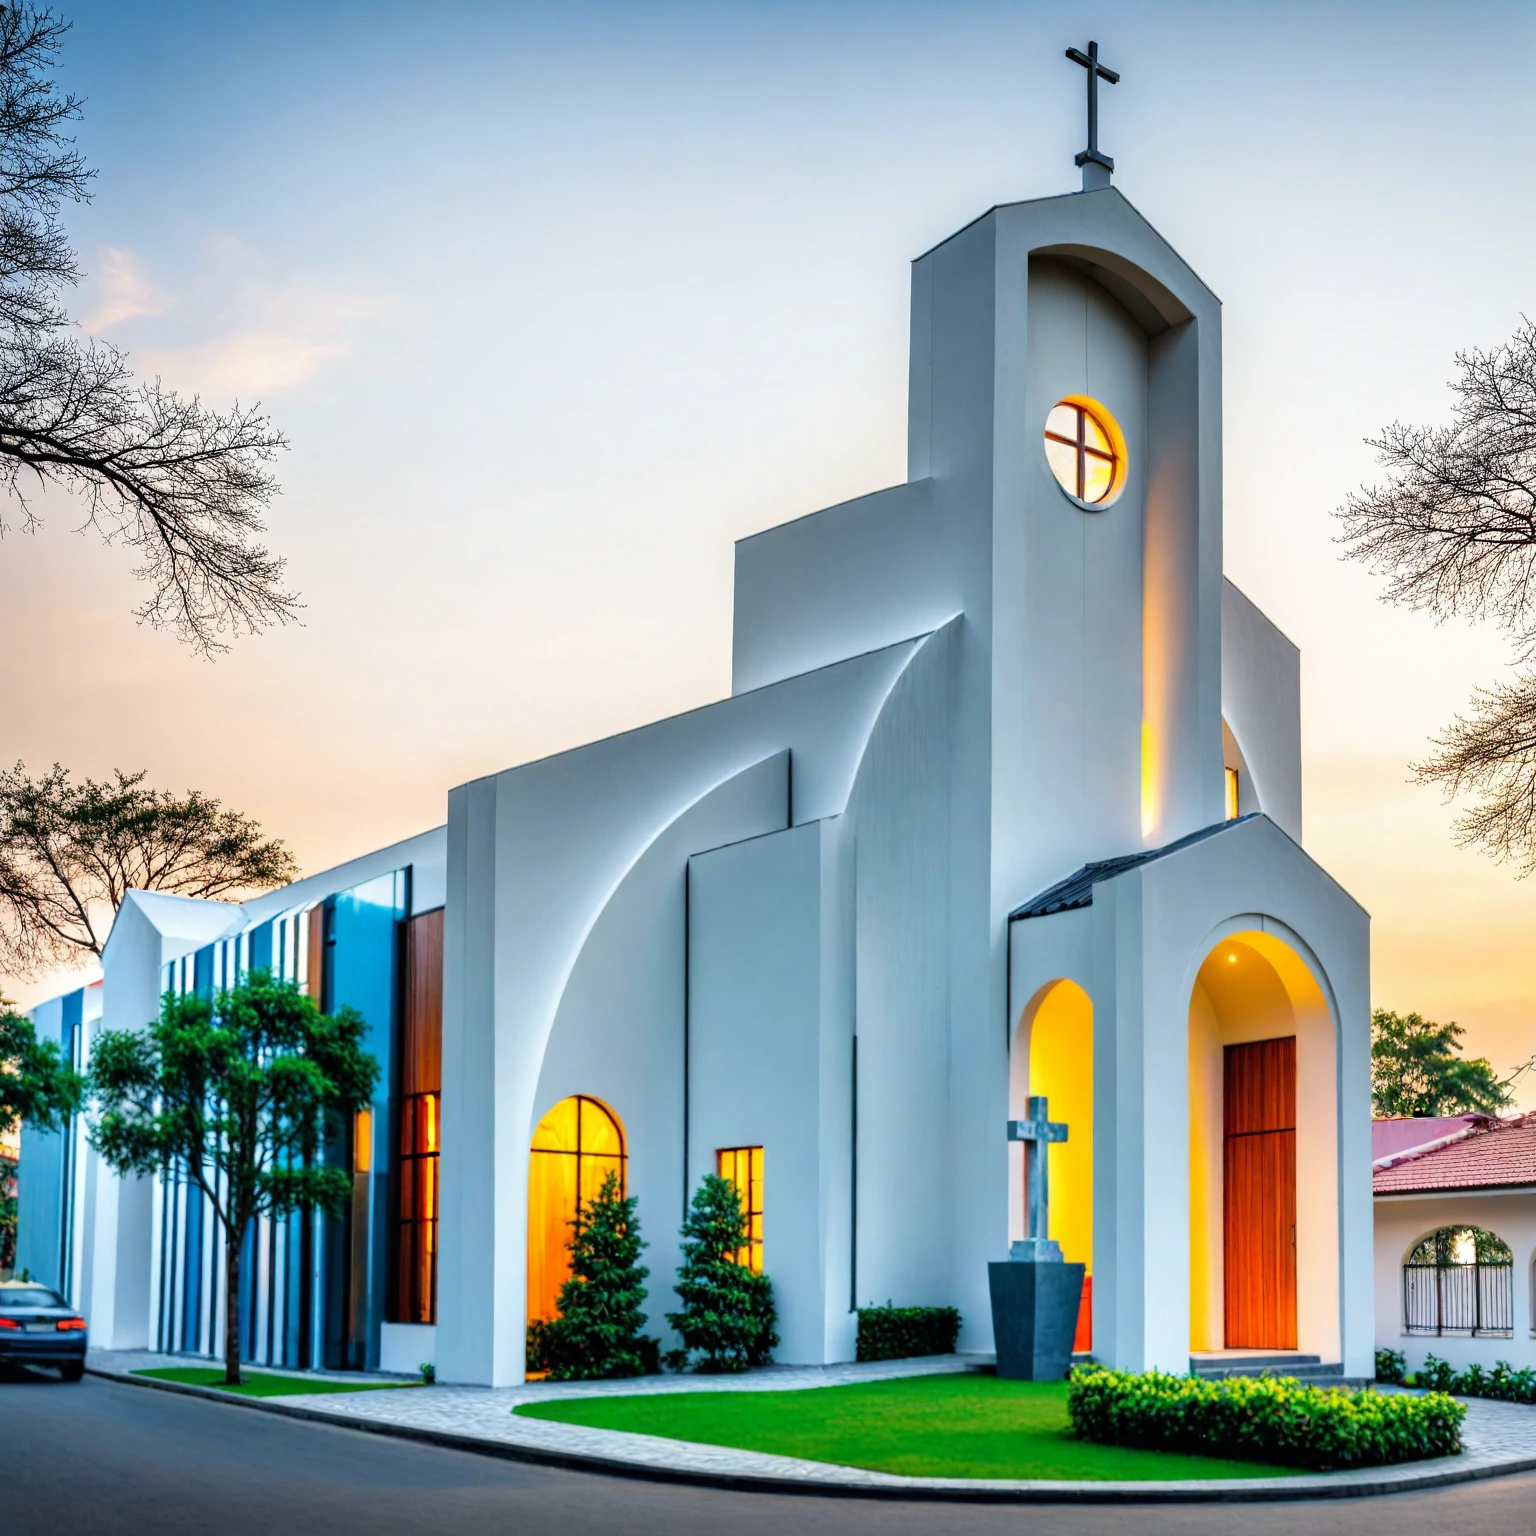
[(618, 1032), (535, 855), (1401, 1220), (1261, 704), (771, 1024)]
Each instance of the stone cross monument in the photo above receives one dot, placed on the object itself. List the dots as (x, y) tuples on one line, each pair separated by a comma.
[(1035, 1292), (1037, 1132)]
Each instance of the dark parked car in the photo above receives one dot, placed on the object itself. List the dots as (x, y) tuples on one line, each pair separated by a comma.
[(38, 1327)]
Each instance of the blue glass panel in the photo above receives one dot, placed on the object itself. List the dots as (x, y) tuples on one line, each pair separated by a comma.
[(363, 936), (45, 1188), (192, 1260), (202, 971), (261, 948)]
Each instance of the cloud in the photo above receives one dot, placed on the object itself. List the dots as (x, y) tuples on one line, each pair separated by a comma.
[(232, 330), (244, 363), (123, 290)]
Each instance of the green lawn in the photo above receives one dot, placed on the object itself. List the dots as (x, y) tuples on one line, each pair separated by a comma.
[(920, 1426), (264, 1383)]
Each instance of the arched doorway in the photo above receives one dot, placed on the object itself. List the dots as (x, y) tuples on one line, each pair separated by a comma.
[(1054, 1058), (1263, 1151), (577, 1144)]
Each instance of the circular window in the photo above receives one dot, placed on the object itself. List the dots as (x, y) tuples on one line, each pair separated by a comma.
[(1086, 453)]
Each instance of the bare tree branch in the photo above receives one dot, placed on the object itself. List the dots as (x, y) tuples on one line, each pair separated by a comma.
[(1492, 752), (182, 484), (1453, 530)]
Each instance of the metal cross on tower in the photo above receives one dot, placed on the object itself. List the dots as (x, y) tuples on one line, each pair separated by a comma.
[(1038, 1131), (1096, 166)]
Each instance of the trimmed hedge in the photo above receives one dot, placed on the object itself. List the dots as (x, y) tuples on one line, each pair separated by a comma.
[(1503, 1381), (1262, 1418), (899, 1333)]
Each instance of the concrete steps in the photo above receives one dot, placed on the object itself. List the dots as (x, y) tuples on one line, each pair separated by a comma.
[(1312, 1369)]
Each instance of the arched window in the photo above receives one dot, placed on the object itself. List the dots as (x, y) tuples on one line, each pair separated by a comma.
[(1082, 447), (1458, 1281), (577, 1145)]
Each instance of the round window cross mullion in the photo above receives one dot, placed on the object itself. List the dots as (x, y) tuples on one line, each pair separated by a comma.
[(1086, 452)]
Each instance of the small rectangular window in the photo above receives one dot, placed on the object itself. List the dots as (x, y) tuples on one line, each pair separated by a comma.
[(743, 1168), (1231, 794)]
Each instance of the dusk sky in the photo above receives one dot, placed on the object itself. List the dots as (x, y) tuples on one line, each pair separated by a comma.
[(556, 302)]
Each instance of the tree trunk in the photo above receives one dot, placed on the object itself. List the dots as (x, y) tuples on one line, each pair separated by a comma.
[(232, 1246)]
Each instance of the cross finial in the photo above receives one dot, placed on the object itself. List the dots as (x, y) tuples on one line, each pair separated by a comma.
[(1096, 166)]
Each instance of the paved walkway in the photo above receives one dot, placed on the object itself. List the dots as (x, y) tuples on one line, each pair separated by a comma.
[(1498, 1438)]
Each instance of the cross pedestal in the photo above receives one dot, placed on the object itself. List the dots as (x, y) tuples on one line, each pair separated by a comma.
[(1035, 1293)]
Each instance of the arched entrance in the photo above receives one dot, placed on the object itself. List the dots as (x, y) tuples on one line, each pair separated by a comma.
[(577, 1144), (1263, 1151), (1053, 1058)]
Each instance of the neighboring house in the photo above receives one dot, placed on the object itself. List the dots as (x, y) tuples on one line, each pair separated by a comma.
[(1005, 803), (1456, 1238)]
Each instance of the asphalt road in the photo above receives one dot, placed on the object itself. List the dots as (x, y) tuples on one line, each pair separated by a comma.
[(102, 1457)]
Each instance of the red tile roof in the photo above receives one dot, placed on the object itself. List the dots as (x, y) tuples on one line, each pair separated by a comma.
[(1487, 1155)]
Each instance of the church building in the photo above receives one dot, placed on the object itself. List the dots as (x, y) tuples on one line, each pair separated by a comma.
[(1005, 802)]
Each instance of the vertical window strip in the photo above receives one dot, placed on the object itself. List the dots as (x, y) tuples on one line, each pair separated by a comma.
[(742, 1168)]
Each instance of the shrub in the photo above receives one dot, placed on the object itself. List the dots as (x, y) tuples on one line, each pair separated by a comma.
[(1503, 1381), (1436, 1375), (597, 1333), (728, 1315), (898, 1333), (1263, 1418), (1390, 1366)]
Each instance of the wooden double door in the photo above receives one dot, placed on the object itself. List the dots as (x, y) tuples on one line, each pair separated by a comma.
[(1259, 1200)]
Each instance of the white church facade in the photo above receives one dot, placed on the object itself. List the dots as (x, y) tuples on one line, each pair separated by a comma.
[(1005, 801)]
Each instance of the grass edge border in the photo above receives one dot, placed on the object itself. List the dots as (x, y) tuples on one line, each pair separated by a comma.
[(919, 1492)]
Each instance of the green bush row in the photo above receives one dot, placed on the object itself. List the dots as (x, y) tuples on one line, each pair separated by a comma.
[(1262, 1418), (899, 1333), (1503, 1381)]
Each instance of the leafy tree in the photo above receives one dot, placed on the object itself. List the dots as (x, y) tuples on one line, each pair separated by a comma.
[(69, 852), (8, 1166), (1454, 531), (36, 1084), (597, 1333), (1460, 1245), (181, 484), (239, 1091), (1417, 1069), (728, 1314)]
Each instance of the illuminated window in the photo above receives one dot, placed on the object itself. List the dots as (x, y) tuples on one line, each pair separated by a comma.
[(412, 1295), (1081, 450), (743, 1168), (577, 1145), (417, 1232), (1231, 794)]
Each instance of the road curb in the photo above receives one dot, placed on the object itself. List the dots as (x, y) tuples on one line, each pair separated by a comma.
[(1224, 1491)]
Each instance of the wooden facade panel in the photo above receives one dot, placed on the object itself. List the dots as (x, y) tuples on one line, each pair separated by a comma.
[(314, 977), (421, 1058), (1259, 1089)]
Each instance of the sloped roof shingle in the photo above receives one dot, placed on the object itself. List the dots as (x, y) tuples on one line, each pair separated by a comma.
[(1485, 1156)]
